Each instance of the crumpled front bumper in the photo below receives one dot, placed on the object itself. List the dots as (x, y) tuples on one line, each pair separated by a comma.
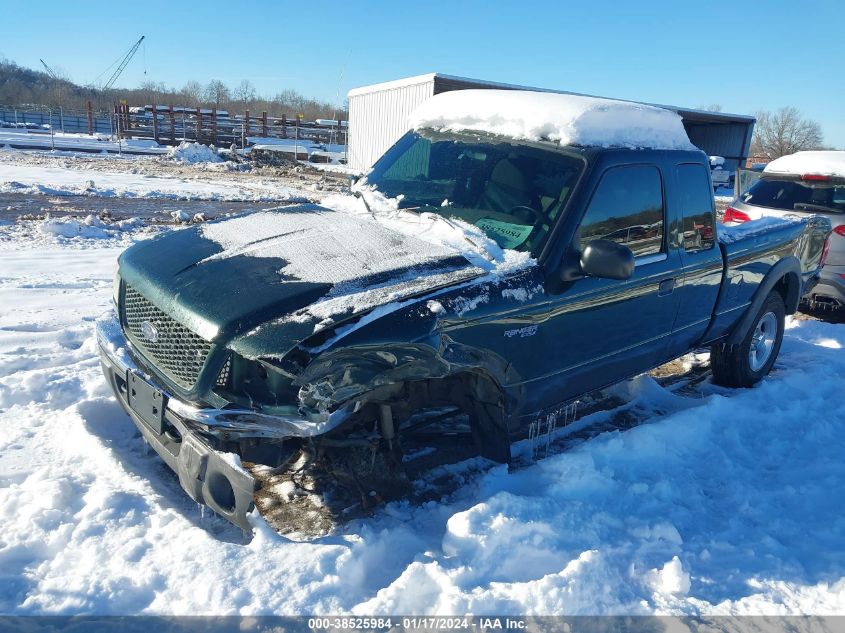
[(208, 476)]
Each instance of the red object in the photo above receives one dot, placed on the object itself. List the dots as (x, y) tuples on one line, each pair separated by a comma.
[(840, 230), (818, 177), (825, 252), (734, 215)]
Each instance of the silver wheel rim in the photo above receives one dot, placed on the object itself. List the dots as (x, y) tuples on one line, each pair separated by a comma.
[(763, 341)]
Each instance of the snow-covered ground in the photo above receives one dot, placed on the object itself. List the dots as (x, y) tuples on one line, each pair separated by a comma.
[(42, 139), (719, 502), (36, 179), (187, 172)]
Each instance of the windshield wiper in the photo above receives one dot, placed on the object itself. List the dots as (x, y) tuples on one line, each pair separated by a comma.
[(478, 247), (358, 193)]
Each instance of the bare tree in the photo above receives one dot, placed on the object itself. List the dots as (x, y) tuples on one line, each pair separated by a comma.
[(191, 93), (151, 92), (713, 107), (784, 132), (245, 92), (216, 93)]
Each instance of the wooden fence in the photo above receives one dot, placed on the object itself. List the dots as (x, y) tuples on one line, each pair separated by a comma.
[(169, 125)]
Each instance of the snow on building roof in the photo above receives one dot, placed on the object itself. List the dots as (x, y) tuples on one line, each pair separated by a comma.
[(829, 163), (566, 119)]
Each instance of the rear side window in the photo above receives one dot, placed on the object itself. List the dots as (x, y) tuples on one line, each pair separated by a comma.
[(696, 200), (627, 207), (794, 195)]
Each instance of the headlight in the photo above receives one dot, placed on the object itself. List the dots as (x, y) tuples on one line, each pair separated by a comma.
[(115, 286), (255, 383)]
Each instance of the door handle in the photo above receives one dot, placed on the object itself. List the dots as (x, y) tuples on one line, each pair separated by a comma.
[(666, 287)]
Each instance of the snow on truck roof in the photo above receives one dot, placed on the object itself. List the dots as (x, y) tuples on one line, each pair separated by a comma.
[(827, 163), (563, 118)]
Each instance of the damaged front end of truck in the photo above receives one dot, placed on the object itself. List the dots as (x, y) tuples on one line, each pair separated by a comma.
[(334, 448), (297, 414)]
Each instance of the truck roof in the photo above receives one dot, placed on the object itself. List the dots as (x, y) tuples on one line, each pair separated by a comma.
[(562, 118)]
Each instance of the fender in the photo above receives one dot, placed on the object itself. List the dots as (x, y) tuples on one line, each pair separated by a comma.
[(787, 270), (406, 375)]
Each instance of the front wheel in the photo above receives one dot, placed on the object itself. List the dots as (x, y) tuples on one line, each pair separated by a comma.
[(744, 364)]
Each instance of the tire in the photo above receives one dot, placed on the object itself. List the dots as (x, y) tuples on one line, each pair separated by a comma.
[(743, 365)]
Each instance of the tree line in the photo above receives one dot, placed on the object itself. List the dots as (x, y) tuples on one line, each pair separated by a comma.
[(781, 132), (22, 87)]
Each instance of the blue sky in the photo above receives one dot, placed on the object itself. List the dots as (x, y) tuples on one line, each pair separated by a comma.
[(743, 55)]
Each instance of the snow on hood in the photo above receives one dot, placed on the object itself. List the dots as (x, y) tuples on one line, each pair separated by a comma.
[(350, 237), (829, 163), (321, 246), (375, 258), (567, 119)]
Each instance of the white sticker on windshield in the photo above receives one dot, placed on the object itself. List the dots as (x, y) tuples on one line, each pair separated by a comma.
[(505, 234)]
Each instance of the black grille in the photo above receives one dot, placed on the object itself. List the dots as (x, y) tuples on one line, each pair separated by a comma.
[(175, 350), (223, 376)]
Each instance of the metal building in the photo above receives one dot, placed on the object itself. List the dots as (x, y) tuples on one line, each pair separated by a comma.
[(378, 116)]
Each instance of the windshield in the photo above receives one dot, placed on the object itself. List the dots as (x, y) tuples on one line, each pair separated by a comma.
[(794, 195), (513, 192)]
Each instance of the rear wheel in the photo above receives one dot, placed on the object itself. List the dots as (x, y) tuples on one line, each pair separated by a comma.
[(744, 364)]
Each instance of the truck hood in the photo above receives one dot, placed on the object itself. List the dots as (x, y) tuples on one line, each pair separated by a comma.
[(307, 266)]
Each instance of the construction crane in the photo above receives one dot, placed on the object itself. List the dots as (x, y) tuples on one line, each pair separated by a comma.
[(125, 60), (49, 70)]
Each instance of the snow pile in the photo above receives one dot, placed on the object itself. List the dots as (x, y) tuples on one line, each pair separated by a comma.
[(567, 119), (454, 234), (180, 217), (671, 578), (826, 163), (718, 502), (91, 227), (193, 153)]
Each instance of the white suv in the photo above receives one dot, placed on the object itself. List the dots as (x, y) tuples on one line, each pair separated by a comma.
[(801, 184)]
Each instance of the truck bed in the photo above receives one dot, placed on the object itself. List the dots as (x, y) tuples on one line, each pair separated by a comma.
[(751, 249)]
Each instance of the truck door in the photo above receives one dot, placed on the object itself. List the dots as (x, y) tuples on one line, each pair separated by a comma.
[(701, 257), (595, 332)]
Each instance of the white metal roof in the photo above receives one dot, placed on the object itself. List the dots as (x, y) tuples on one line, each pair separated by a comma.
[(428, 77)]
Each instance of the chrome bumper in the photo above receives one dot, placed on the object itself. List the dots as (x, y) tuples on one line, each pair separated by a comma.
[(207, 475), (227, 423)]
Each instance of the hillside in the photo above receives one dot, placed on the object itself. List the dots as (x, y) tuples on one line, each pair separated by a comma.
[(25, 87)]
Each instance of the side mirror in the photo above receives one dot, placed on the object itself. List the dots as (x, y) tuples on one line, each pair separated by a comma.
[(607, 259)]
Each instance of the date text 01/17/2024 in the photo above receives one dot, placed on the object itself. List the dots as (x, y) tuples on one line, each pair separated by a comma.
[(417, 623)]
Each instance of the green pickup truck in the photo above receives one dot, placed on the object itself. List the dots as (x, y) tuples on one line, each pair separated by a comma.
[(495, 278)]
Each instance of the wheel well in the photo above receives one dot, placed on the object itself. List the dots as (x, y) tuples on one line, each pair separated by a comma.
[(474, 392), (788, 288)]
